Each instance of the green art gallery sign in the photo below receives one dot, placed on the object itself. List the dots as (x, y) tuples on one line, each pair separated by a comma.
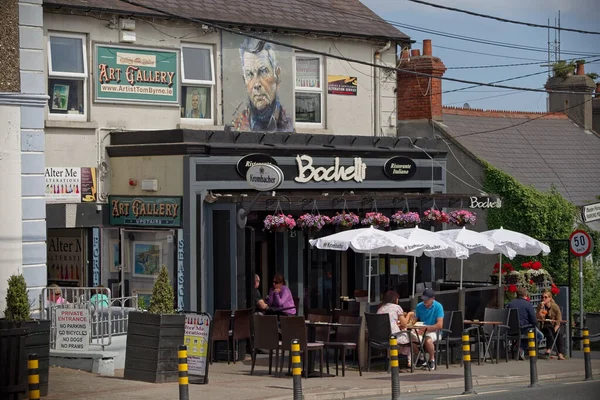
[(131, 74), (145, 211)]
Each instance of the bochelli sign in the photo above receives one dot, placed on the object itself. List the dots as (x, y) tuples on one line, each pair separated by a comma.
[(476, 202), (264, 177), (399, 168), (128, 74), (308, 172), (145, 211)]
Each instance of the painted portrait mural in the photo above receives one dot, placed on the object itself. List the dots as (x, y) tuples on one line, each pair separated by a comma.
[(258, 89)]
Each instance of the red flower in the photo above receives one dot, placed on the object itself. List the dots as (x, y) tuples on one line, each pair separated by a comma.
[(555, 291), (526, 265), (536, 265), (531, 282), (512, 288)]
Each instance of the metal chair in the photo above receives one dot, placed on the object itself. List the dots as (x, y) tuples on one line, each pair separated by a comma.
[(379, 332), (346, 338), (451, 334), (221, 332), (497, 331), (322, 333), (241, 328), (266, 337), (295, 328)]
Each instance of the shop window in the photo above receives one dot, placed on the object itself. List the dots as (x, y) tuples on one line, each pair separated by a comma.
[(67, 75), (198, 81), (309, 90)]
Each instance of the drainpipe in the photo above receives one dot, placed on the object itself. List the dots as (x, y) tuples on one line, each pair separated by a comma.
[(377, 88)]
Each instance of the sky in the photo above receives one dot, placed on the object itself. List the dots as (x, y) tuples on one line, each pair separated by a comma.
[(575, 14)]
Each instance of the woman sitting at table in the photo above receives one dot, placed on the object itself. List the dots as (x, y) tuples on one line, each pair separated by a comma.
[(548, 312), (398, 321), (280, 300)]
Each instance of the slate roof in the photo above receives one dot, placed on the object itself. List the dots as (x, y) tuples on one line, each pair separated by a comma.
[(545, 151), (332, 17)]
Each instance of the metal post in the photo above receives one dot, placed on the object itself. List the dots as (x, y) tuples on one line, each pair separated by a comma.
[(184, 387), (587, 357), (394, 368), (33, 377), (466, 347), (532, 358), (297, 370), (581, 314)]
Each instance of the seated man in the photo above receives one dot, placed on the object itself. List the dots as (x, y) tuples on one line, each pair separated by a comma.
[(527, 319), (431, 313), (259, 303)]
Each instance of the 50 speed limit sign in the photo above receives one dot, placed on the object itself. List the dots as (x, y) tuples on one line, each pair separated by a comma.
[(580, 243)]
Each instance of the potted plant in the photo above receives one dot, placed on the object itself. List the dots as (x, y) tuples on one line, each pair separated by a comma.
[(37, 333), (314, 222), (153, 336), (376, 220), (345, 220), (435, 216), (279, 223), (563, 69), (462, 217), (406, 219)]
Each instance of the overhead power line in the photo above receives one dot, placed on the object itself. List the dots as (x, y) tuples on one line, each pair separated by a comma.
[(511, 21), (325, 54)]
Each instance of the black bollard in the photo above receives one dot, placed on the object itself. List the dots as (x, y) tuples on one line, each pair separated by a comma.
[(532, 358), (297, 370), (33, 377), (587, 357), (184, 387), (395, 371), (466, 347)]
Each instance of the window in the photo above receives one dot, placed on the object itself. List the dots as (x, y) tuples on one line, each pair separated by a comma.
[(198, 81), (67, 75), (309, 90)]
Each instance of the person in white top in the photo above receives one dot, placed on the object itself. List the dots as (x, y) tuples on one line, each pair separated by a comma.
[(398, 321)]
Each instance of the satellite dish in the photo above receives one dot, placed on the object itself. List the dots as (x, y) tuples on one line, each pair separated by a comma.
[(466, 105)]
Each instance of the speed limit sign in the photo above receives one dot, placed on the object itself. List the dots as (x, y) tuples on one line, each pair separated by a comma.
[(580, 243)]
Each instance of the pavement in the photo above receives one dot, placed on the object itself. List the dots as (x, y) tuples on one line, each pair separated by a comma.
[(235, 382)]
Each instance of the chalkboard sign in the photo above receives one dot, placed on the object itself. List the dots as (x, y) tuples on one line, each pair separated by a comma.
[(198, 329)]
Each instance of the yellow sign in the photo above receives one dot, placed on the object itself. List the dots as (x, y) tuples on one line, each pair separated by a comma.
[(398, 266), (197, 328)]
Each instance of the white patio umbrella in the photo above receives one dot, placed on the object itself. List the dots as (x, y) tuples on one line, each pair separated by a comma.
[(432, 245), (366, 241), (476, 243), (522, 244)]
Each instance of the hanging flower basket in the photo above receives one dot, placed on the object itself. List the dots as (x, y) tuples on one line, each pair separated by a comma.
[(406, 219), (434, 216), (376, 220), (345, 220), (312, 221), (462, 217), (279, 223)]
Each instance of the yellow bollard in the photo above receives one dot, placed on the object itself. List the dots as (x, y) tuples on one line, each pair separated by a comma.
[(184, 387), (33, 377)]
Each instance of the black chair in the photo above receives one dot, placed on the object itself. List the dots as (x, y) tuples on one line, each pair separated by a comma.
[(450, 335), (337, 313), (295, 328), (495, 331), (379, 332), (266, 337), (241, 328), (321, 333), (221, 332), (346, 338), (516, 334)]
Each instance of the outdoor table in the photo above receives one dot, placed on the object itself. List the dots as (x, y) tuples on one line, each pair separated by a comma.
[(420, 342), (554, 337), (481, 324), (310, 335)]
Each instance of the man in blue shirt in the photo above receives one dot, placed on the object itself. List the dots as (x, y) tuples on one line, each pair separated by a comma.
[(431, 313), (527, 319)]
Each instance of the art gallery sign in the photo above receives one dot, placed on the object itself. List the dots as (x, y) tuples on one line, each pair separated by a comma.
[(163, 212), (136, 75)]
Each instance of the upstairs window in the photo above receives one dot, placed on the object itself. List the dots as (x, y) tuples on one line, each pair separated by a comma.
[(67, 75), (198, 81), (309, 90)]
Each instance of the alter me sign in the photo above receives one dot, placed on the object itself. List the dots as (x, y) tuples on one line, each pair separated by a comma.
[(72, 329)]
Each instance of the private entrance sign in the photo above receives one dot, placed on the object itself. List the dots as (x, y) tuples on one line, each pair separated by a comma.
[(72, 329)]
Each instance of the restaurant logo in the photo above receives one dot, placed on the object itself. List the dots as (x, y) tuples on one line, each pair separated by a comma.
[(264, 177), (307, 172), (399, 168), (138, 75), (483, 204), (251, 160), (145, 211)]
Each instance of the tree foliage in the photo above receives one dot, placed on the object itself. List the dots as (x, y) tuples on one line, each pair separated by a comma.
[(17, 300), (163, 297), (544, 215)]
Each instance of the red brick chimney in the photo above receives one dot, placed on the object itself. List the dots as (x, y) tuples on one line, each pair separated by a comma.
[(417, 99)]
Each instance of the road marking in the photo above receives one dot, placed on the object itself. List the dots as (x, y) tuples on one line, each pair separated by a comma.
[(462, 395), (573, 383)]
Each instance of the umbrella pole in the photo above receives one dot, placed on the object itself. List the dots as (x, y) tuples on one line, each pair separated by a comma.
[(414, 277), (369, 281), (461, 273), (500, 270)]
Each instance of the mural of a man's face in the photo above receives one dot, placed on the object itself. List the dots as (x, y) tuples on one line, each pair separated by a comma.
[(195, 101), (262, 81)]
